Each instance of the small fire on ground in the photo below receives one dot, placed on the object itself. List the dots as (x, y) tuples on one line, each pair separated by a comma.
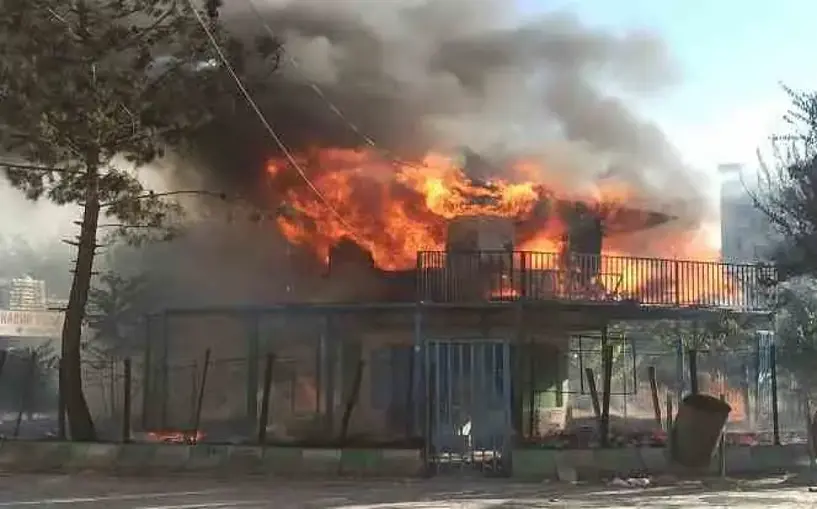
[(175, 436)]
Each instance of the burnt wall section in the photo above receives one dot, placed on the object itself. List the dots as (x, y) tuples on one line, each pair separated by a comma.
[(318, 359)]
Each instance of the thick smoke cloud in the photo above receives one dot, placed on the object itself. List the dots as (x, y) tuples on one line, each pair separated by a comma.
[(442, 74), (433, 75)]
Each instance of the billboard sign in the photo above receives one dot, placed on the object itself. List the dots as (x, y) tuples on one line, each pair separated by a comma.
[(31, 324)]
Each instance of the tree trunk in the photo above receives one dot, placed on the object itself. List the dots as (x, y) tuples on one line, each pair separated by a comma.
[(79, 417)]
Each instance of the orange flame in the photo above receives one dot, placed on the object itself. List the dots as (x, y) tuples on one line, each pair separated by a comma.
[(393, 210), (176, 437)]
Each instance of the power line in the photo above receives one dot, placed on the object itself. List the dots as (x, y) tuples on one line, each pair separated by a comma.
[(331, 105), (248, 97)]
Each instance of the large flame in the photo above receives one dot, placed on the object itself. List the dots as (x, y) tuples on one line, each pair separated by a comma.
[(395, 209)]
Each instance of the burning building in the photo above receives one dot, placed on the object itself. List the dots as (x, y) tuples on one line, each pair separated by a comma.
[(447, 319), (449, 286)]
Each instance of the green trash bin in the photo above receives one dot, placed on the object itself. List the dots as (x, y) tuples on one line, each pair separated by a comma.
[(697, 429)]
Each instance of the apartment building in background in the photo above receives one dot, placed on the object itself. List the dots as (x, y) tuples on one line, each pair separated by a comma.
[(25, 294), (25, 318), (746, 233)]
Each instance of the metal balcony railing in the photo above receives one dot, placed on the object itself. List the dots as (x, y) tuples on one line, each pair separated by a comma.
[(462, 276)]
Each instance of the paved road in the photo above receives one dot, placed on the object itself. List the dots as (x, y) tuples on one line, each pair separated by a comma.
[(88, 492)]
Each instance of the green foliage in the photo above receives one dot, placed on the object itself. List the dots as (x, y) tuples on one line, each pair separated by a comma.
[(84, 82), (788, 188), (717, 338), (117, 304), (19, 381), (796, 331)]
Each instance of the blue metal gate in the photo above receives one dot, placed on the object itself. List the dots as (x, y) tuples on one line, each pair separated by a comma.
[(468, 389)]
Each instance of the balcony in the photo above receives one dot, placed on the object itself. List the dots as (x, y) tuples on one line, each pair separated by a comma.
[(463, 276)]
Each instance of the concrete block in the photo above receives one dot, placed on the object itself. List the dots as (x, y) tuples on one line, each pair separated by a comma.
[(320, 461), (136, 458), (97, 457), (738, 460), (581, 460), (566, 473), (654, 460), (283, 460), (535, 463), (402, 463), (30, 456), (361, 462), (170, 458), (243, 459), (204, 457), (779, 458), (621, 462)]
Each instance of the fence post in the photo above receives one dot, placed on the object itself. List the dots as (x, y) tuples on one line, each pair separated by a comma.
[(693, 371), (252, 365), (605, 401), (594, 393), (775, 414), (532, 390), (61, 428), (200, 402), (165, 367), (126, 401), (679, 365), (25, 394), (354, 395), (263, 416), (722, 447), (656, 405), (147, 375)]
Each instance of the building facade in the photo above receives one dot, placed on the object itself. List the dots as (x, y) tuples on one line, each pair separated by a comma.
[(746, 233)]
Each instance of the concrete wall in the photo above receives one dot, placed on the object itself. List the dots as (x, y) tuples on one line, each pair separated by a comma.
[(222, 460), (594, 463)]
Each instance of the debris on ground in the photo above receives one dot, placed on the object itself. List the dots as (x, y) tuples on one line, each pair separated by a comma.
[(630, 482)]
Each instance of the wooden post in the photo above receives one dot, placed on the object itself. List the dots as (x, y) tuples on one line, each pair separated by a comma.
[(3, 357), (351, 402), (693, 371), (670, 435), (531, 390), (605, 401), (594, 394), (61, 428), (126, 401), (25, 394), (804, 403), (200, 402), (775, 411), (656, 405), (722, 448), (264, 414), (147, 377)]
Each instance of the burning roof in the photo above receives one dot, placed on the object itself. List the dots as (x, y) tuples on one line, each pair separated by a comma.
[(395, 209)]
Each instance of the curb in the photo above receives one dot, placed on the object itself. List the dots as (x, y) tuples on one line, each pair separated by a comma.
[(136, 458)]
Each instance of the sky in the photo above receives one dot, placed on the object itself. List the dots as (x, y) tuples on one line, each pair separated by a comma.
[(732, 56)]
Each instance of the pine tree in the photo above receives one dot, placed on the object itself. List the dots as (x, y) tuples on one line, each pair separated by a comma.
[(86, 82)]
